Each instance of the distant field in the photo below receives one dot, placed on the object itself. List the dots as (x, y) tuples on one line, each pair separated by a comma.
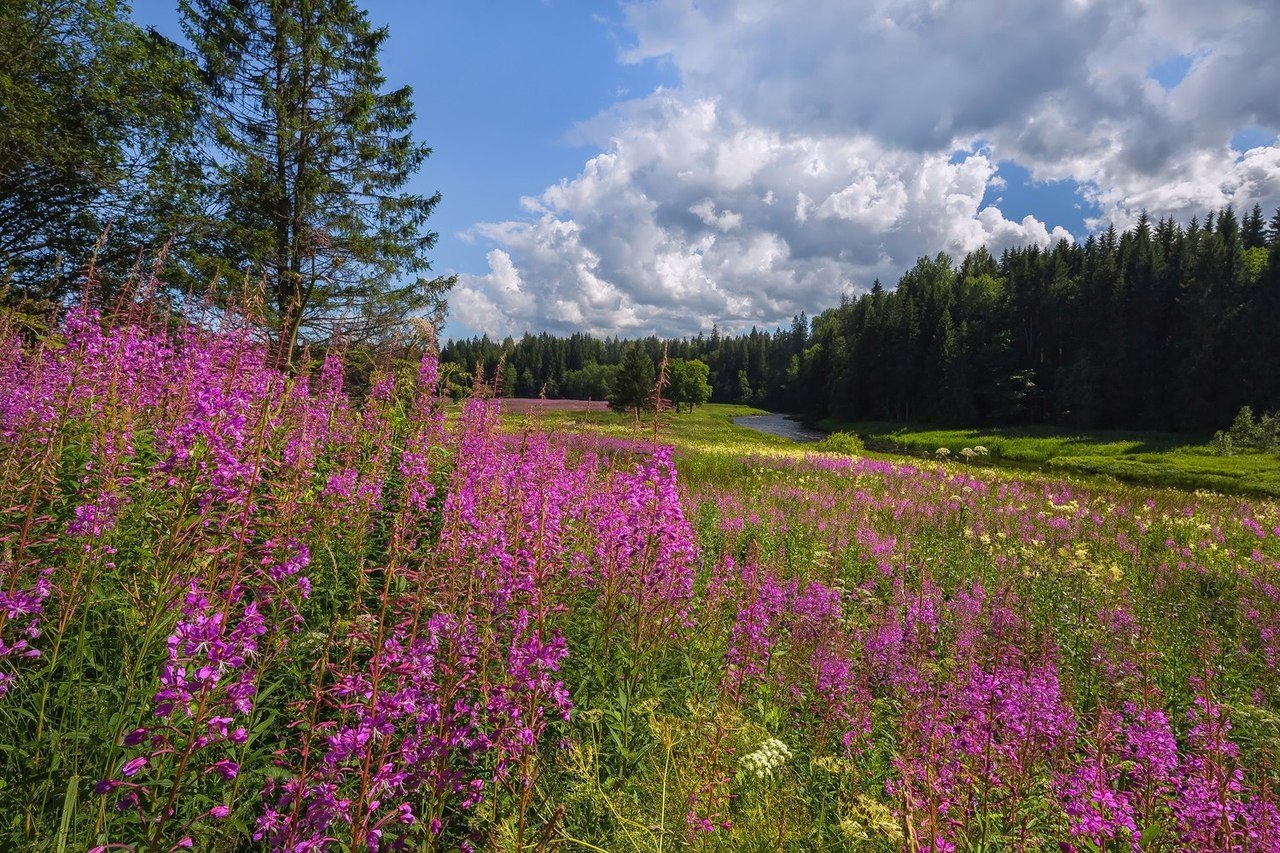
[(1166, 460), (709, 427), (1161, 459), (523, 405)]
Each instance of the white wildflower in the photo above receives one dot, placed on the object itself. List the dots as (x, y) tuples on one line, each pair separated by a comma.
[(768, 757)]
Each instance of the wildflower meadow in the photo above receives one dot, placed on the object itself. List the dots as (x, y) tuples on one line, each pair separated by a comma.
[(244, 609)]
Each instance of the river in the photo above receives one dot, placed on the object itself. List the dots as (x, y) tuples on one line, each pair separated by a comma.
[(780, 425)]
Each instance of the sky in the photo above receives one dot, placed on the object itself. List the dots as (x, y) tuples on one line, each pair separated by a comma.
[(660, 167)]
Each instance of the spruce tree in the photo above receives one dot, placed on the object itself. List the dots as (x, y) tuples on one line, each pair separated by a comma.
[(1254, 229), (632, 387), (1273, 231), (313, 155)]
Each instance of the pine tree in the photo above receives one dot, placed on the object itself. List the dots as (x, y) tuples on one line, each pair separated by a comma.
[(632, 386), (1273, 231), (744, 392), (313, 157)]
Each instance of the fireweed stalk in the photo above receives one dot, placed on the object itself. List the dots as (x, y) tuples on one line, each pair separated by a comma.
[(419, 698), (208, 681)]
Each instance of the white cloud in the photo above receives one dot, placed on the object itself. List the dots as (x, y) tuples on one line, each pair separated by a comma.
[(726, 220), (803, 155), (497, 302), (644, 239)]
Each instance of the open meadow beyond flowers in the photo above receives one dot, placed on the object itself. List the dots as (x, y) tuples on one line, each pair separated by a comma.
[(244, 610)]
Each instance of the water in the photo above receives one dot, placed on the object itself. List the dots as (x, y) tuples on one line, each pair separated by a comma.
[(783, 426)]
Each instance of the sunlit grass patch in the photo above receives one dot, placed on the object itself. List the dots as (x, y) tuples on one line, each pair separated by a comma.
[(1158, 459)]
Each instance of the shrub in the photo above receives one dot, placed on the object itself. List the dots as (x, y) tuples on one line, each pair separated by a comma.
[(841, 442)]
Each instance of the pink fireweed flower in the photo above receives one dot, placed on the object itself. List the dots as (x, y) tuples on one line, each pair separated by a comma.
[(226, 769), (1209, 805), (1099, 809), (22, 609), (133, 765)]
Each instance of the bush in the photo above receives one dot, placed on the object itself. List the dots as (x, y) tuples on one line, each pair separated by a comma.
[(841, 442)]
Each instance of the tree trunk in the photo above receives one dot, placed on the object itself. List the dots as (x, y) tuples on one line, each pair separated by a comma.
[(288, 297)]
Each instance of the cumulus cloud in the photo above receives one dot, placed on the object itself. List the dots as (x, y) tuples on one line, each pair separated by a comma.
[(724, 221), (802, 156), (501, 304), (675, 227)]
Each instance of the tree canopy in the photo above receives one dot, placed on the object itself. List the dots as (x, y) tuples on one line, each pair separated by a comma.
[(272, 152), (100, 123), (689, 386)]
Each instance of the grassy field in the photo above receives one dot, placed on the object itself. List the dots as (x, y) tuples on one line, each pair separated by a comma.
[(1166, 460), (1152, 458), (709, 427)]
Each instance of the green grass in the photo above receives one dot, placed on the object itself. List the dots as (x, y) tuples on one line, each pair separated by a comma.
[(709, 448), (710, 443), (707, 428), (1151, 458)]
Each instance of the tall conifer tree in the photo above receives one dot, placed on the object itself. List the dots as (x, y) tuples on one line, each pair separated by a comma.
[(313, 157)]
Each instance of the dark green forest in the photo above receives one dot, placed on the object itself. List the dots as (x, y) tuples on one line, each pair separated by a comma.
[(1163, 327), (264, 165)]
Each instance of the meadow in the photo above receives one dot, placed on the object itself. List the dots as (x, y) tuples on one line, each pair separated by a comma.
[(245, 610), (1149, 458)]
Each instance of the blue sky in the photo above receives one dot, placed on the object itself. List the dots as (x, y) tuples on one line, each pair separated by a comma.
[(499, 86), (660, 166)]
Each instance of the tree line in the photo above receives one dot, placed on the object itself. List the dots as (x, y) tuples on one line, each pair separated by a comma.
[(1158, 327), (265, 162), (758, 368), (1162, 326)]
